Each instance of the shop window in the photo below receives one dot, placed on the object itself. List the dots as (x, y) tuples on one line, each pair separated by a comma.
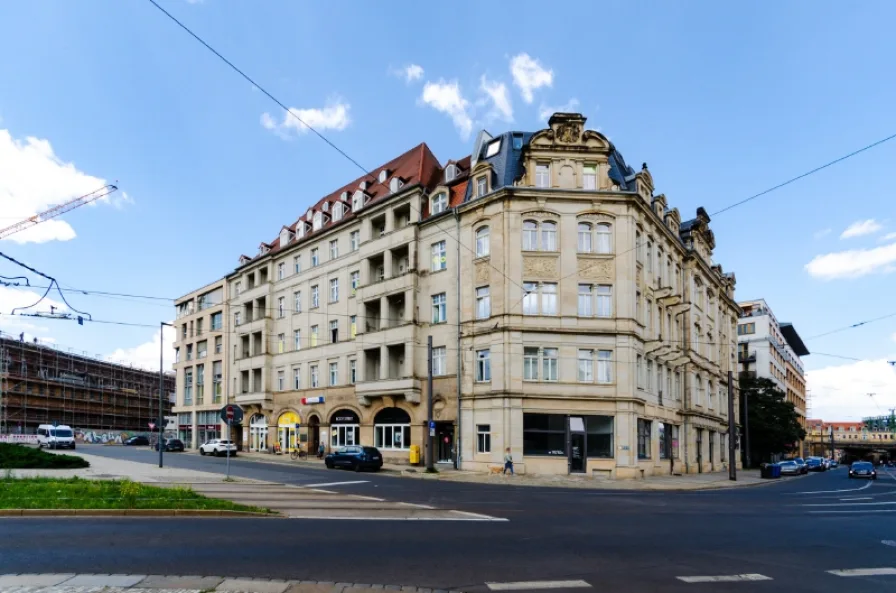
[(392, 429), (344, 428), (599, 435), (544, 434)]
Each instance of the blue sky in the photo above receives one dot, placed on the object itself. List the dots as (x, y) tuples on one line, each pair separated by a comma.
[(721, 101)]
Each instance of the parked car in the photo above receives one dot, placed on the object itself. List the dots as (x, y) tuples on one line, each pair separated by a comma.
[(815, 464), (137, 441), (55, 437), (862, 469), (834, 464), (171, 445), (356, 458), (218, 447), (790, 468), (804, 469)]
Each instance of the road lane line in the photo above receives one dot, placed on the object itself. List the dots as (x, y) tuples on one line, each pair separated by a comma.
[(840, 504), (530, 585), (868, 485), (334, 484), (852, 512), (727, 578), (478, 516), (863, 572), (859, 498)]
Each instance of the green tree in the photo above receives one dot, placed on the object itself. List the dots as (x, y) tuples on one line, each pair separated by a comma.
[(773, 422)]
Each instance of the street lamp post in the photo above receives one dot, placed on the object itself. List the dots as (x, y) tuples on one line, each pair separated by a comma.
[(161, 419)]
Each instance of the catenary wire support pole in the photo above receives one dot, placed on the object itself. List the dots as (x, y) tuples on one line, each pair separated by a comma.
[(732, 428), (743, 394), (832, 442), (430, 431), (161, 420)]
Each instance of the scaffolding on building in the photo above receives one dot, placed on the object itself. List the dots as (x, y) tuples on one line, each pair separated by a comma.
[(40, 384)]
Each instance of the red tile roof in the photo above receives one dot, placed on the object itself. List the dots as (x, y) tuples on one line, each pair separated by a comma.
[(416, 166)]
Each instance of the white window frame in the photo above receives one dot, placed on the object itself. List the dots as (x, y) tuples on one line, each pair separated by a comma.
[(542, 175), (481, 186), (281, 381), (530, 363), (297, 377), (548, 235), (549, 298), (585, 366), (297, 339), (586, 300), (281, 271), (315, 333), (334, 374), (281, 307), (483, 241), (297, 301), (585, 237), (483, 303), (352, 371), (439, 256), (550, 364), (605, 366), (589, 177), (315, 296), (380, 432), (604, 300), (439, 308), (483, 366), (334, 326), (334, 249), (297, 264), (334, 290), (315, 257), (315, 376), (355, 281), (603, 242), (439, 360), (483, 438), (530, 235), (355, 240), (438, 203)]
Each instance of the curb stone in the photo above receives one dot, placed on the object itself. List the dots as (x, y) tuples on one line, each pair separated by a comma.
[(95, 583), (133, 513)]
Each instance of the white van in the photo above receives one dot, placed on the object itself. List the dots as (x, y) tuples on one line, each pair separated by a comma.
[(55, 437)]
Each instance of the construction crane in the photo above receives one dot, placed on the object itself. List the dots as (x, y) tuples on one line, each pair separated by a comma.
[(58, 210)]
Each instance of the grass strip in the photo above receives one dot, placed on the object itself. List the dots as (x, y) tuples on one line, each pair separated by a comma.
[(77, 493), (21, 457)]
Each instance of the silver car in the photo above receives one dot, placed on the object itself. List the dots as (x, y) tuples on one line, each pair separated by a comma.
[(790, 468)]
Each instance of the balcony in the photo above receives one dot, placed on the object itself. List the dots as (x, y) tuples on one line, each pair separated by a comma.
[(261, 322), (404, 282), (263, 398), (746, 357), (408, 388)]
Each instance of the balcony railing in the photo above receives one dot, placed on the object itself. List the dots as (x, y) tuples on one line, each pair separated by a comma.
[(746, 356)]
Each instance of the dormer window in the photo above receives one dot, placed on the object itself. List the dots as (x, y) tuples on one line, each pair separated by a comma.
[(300, 229), (338, 210), (493, 148), (363, 185), (285, 237), (318, 221), (450, 173), (325, 207), (481, 186), (309, 214), (395, 184), (357, 201), (438, 204), (383, 176), (344, 196)]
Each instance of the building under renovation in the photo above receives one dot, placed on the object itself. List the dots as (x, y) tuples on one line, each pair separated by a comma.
[(42, 385)]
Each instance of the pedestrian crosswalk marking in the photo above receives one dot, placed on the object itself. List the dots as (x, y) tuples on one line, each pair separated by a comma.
[(726, 578), (864, 572), (536, 585)]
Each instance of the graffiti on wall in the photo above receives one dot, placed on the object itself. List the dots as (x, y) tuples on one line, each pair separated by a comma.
[(112, 437)]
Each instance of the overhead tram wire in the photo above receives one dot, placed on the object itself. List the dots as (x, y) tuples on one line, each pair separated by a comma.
[(330, 143)]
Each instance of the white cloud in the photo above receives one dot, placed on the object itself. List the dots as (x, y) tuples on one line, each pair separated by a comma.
[(11, 298), (447, 98), (888, 237), (853, 263), (841, 392), (334, 116), (822, 233), (544, 112), (529, 75), (500, 99), (146, 355), (413, 72), (33, 178), (860, 228)]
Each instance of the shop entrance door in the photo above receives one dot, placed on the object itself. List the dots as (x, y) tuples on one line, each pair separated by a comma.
[(445, 442), (699, 450), (577, 456)]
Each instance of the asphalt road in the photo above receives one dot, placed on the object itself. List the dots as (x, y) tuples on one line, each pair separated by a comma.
[(791, 532)]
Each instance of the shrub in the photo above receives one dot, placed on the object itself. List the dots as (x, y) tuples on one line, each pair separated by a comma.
[(23, 457)]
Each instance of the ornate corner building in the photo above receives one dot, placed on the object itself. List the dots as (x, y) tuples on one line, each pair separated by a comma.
[(574, 318)]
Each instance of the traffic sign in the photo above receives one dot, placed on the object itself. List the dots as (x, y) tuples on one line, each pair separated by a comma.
[(232, 414), (432, 424)]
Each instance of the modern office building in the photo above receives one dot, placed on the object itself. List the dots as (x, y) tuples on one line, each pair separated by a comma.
[(574, 318)]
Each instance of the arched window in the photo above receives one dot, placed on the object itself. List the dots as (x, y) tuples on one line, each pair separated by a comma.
[(604, 242), (392, 429), (530, 235), (482, 242), (549, 236), (344, 428), (584, 237)]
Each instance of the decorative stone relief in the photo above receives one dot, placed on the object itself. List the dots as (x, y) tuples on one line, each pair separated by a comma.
[(595, 217), (569, 132), (596, 269), (482, 272), (540, 267)]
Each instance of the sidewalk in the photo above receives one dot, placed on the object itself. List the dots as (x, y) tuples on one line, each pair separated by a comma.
[(706, 481), (141, 583)]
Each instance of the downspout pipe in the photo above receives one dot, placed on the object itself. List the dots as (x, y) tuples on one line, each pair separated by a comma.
[(457, 436)]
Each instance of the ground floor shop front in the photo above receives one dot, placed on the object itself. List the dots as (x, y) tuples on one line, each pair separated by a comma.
[(611, 439), (392, 425)]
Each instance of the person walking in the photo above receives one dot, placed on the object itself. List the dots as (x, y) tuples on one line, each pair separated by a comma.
[(321, 449), (508, 462)]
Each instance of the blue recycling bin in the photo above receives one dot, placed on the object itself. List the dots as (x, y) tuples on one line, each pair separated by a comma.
[(776, 471)]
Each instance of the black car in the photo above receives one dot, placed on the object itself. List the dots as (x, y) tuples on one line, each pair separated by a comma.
[(172, 445), (862, 469), (137, 441), (356, 458)]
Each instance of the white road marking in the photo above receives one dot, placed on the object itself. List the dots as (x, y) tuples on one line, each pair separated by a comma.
[(375, 518), (840, 504), (852, 512), (859, 498), (727, 578), (530, 585), (478, 516), (417, 506), (888, 542), (334, 484), (868, 485), (863, 572)]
